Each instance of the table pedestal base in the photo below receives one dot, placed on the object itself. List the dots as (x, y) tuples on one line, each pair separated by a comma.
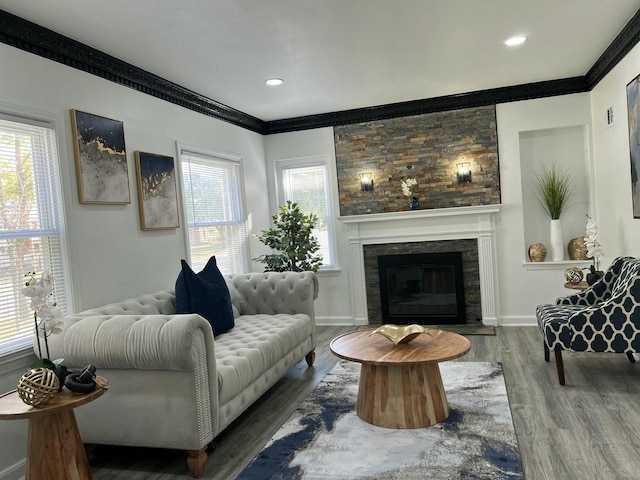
[(55, 450), (402, 396)]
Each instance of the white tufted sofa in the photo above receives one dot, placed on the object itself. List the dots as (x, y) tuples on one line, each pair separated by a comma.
[(172, 384)]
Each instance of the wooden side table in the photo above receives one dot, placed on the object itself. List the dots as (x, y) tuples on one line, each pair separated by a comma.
[(54, 450), (577, 286), (400, 385)]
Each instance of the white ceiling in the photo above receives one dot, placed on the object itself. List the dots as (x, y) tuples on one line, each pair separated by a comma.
[(338, 54)]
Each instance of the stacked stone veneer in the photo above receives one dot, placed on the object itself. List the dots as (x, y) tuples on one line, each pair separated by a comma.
[(425, 147), (470, 272)]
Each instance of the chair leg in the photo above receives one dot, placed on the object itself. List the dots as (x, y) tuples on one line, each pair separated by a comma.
[(559, 366), (546, 352), (631, 358)]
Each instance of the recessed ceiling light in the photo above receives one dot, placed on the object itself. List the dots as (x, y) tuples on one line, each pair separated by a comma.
[(274, 82), (517, 40)]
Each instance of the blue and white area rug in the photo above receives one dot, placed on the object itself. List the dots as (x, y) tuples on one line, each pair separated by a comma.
[(325, 439)]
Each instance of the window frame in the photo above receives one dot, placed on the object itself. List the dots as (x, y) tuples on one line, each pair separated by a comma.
[(221, 158), (281, 198), (63, 291)]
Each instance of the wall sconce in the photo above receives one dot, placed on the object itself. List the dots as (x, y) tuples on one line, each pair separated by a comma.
[(464, 172), (366, 182)]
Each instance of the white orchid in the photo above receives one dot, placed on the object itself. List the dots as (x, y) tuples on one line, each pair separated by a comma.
[(46, 314), (406, 186), (594, 249)]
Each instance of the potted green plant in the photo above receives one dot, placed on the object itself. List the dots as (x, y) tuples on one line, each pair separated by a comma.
[(292, 240), (555, 190)]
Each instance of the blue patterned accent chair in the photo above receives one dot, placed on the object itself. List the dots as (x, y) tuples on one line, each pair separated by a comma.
[(603, 318)]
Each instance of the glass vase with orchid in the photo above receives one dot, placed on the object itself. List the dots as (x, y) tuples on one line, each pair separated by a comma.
[(407, 192), (594, 248), (46, 314)]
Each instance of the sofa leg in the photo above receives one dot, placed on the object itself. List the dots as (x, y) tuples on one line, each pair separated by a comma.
[(631, 358), (310, 358), (559, 366), (546, 352), (197, 460)]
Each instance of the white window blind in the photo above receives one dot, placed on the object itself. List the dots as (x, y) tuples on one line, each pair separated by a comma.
[(307, 186), (214, 210), (31, 225)]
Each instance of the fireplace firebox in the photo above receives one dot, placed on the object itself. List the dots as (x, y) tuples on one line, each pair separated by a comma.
[(423, 288)]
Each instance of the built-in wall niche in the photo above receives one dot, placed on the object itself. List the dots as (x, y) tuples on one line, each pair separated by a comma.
[(568, 148)]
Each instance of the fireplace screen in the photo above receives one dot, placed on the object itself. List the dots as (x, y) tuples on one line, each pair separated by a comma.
[(424, 288)]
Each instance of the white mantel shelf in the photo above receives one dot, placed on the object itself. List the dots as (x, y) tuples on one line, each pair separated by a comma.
[(424, 226), (416, 214)]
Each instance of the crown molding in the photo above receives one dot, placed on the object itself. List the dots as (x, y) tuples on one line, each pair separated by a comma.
[(430, 105), (33, 38), (28, 36), (628, 38)]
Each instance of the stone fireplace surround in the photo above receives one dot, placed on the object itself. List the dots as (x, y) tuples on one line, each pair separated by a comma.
[(456, 223), (470, 275)]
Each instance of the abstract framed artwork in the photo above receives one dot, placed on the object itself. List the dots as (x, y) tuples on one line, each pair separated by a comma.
[(157, 195), (633, 109), (101, 159)]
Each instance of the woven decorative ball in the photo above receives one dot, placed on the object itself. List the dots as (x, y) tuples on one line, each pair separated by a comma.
[(38, 386), (573, 275)]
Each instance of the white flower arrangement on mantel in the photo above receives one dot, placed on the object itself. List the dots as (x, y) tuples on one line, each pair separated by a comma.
[(406, 186)]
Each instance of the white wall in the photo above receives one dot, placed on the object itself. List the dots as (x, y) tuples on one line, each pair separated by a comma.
[(619, 231), (111, 257), (334, 304), (522, 287), (539, 149)]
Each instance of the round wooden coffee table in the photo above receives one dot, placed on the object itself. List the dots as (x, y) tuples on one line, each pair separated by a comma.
[(400, 385), (54, 450)]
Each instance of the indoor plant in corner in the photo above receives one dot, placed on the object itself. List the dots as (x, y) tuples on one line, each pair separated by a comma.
[(555, 189), (292, 239)]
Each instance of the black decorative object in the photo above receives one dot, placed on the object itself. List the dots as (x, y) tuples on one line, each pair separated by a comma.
[(61, 372), (593, 278), (83, 381), (414, 204)]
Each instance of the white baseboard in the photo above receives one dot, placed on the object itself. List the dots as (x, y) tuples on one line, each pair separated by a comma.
[(335, 321), (518, 321), (15, 471)]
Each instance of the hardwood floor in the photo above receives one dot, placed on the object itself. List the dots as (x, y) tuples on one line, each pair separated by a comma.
[(585, 430)]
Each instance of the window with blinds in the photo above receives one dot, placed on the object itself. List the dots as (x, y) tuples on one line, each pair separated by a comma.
[(214, 211), (307, 186), (31, 225)]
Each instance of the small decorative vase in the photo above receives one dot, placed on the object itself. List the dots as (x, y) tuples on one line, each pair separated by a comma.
[(556, 241), (577, 249), (537, 252), (414, 204)]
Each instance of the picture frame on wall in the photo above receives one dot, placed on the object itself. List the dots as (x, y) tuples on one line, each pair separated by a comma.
[(101, 159), (633, 112), (157, 193)]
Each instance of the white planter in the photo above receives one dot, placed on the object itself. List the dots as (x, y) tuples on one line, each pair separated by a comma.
[(556, 241)]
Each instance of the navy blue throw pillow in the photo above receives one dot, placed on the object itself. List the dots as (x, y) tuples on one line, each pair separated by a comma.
[(206, 294)]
